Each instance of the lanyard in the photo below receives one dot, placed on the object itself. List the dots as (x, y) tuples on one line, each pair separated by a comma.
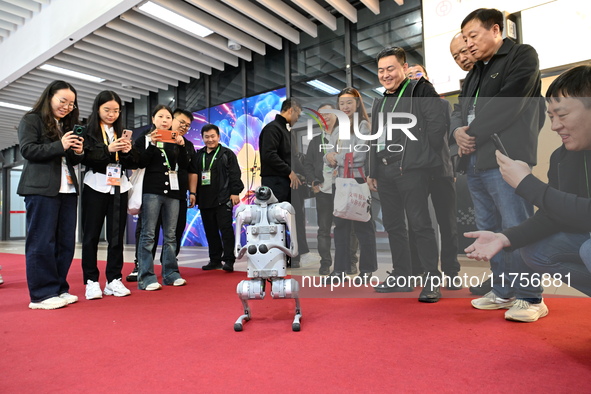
[(212, 160), (398, 99), (476, 97), (106, 139), (166, 158)]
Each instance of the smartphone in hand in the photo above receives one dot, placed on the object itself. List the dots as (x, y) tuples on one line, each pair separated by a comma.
[(497, 141), (126, 135), (167, 136)]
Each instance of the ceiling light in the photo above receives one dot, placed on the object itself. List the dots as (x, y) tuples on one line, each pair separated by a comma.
[(71, 73), (174, 19), (15, 106), (322, 86)]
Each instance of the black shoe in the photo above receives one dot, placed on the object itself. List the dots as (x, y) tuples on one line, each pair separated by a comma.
[(390, 285), (481, 289), (333, 275), (430, 293), (228, 266), (452, 283), (132, 277), (324, 270), (365, 277), (212, 266), (295, 262)]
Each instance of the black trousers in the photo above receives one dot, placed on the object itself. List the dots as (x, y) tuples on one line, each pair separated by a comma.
[(279, 185), (324, 217), (96, 207), (407, 192), (217, 223), (297, 201), (443, 196)]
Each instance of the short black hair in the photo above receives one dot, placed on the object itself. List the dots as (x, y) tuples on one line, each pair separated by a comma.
[(290, 102), (487, 16), (208, 127), (392, 51), (575, 83), (180, 111)]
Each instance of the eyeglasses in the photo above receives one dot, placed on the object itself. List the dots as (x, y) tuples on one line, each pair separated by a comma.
[(182, 123), (64, 103), (108, 111)]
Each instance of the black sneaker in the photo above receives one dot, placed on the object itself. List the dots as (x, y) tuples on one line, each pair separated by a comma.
[(324, 270), (228, 266), (430, 292), (133, 276), (482, 289), (212, 266), (390, 285)]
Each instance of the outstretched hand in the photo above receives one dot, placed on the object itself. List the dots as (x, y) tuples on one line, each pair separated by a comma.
[(487, 244)]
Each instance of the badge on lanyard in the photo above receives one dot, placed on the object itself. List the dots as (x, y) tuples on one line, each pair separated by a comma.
[(114, 174), (206, 178), (471, 116), (173, 177)]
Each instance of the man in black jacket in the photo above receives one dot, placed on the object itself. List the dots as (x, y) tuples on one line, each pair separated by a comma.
[(277, 171), (275, 151), (218, 189), (556, 239), (501, 94), (400, 166)]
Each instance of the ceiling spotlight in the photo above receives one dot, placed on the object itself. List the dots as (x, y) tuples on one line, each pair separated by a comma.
[(233, 45)]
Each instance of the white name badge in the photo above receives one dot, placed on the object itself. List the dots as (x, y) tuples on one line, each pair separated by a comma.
[(173, 176), (114, 174), (206, 178), (471, 116)]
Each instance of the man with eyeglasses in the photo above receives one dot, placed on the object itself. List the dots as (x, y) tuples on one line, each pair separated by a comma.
[(181, 123)]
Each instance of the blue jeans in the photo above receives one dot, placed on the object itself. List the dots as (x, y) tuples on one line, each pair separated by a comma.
[(50, 243), (152, 206), (562, 254), (497, 207)]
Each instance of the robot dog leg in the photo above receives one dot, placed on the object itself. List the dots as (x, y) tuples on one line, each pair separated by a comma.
[(266, 252)]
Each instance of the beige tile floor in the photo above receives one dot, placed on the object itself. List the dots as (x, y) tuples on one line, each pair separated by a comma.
[(196, 257)]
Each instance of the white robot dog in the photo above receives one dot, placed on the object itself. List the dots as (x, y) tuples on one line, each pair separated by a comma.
[(266, 252)]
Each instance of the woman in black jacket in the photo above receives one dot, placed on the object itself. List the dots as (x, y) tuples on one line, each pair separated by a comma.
[(50, 187), (108, 154), (160, 195)]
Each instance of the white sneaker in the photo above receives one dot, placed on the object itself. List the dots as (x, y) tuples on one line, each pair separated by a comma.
[(490, 301), (50, 303), (179, 282), (116, 288), (70, 299), (93, 290), (526, 311), (154, 286)]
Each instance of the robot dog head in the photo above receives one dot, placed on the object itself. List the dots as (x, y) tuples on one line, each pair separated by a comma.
[(264, 195)]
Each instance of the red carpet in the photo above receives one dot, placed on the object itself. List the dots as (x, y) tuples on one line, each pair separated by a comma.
[(182, 340)]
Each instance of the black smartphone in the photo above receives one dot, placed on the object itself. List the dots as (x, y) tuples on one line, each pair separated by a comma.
[(79, 131), (499, 144)]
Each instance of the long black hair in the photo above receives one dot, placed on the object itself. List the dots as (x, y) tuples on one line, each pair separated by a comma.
[(43, 108), (94, 121)]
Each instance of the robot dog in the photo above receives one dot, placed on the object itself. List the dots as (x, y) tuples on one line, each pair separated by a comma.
[(266, 252)]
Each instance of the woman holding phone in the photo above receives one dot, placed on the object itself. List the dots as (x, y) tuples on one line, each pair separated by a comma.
[(108, 153), (161, 194), (50, 188)]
